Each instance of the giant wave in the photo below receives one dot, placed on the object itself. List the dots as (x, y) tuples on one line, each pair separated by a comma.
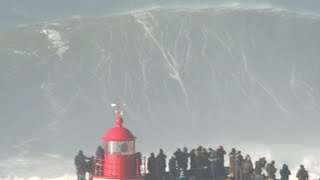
[(223, 74)]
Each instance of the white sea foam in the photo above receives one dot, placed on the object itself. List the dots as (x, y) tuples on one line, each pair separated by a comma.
[(57, 42)]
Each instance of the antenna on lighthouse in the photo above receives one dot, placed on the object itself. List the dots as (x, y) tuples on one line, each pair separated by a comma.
[(118, 108)]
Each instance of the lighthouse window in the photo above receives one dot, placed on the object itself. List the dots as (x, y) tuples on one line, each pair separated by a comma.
[(120, 147)]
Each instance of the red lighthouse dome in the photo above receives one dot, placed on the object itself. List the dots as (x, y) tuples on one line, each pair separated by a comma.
[(118, 133)]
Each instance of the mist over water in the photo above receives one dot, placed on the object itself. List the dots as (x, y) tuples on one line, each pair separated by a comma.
[(244, 75)]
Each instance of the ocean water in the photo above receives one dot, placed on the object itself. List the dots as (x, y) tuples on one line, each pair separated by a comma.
[(243, 74)]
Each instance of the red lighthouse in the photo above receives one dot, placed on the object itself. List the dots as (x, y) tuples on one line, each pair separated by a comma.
[(120, 161)]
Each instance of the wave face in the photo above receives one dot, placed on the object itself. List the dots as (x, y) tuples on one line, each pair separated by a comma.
[(244, 77)]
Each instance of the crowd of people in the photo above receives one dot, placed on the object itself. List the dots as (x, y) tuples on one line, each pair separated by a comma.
[(198, 164), (202, 163)]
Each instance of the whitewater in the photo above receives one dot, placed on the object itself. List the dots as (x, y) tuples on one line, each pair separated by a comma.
[(243, 75)]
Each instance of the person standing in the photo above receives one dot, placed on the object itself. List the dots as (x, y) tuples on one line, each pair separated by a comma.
[(302, 173), (193, 161), (220, 154), (285, 172), (213, 165), (161, 165), (247, 168), (152, 166), (239, 161), (271, 170), (80, 163), (173, 169), (232, 163), (184, 159), (99, 161)]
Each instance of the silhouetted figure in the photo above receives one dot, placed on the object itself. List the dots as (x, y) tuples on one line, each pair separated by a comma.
[(221, 172), (184, 159), (80, 162), (302, 173), (213, 165), (247, 168), (193, 161), (285, 172), (232, 163), (205, 170), (220, 154), (173, 168), (152, 166), (178, 155), (239, 161), (161, 165), (99, 161), (100, 152), (89, 166), (258, 167), (271, 170), (263, 162)]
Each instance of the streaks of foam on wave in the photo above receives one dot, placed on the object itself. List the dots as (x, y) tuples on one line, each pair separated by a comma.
[(142, 18), (25, 53), (57, 42)]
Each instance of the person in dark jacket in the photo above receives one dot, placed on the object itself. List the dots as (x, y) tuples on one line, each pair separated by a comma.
[(100, 152), (152, 166), (193, 161), (258, 167), (178, 157), (263, 162), (173, 168), (220, 154), (213, 165), (205, 171), (161, 165), (184, 159), (285, 172), (221, 172), (80, 163), (271, 170), (89, 166), (99, 161), (302, 173)]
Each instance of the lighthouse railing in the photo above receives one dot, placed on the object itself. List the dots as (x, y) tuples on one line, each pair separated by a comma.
[(98, 167)]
